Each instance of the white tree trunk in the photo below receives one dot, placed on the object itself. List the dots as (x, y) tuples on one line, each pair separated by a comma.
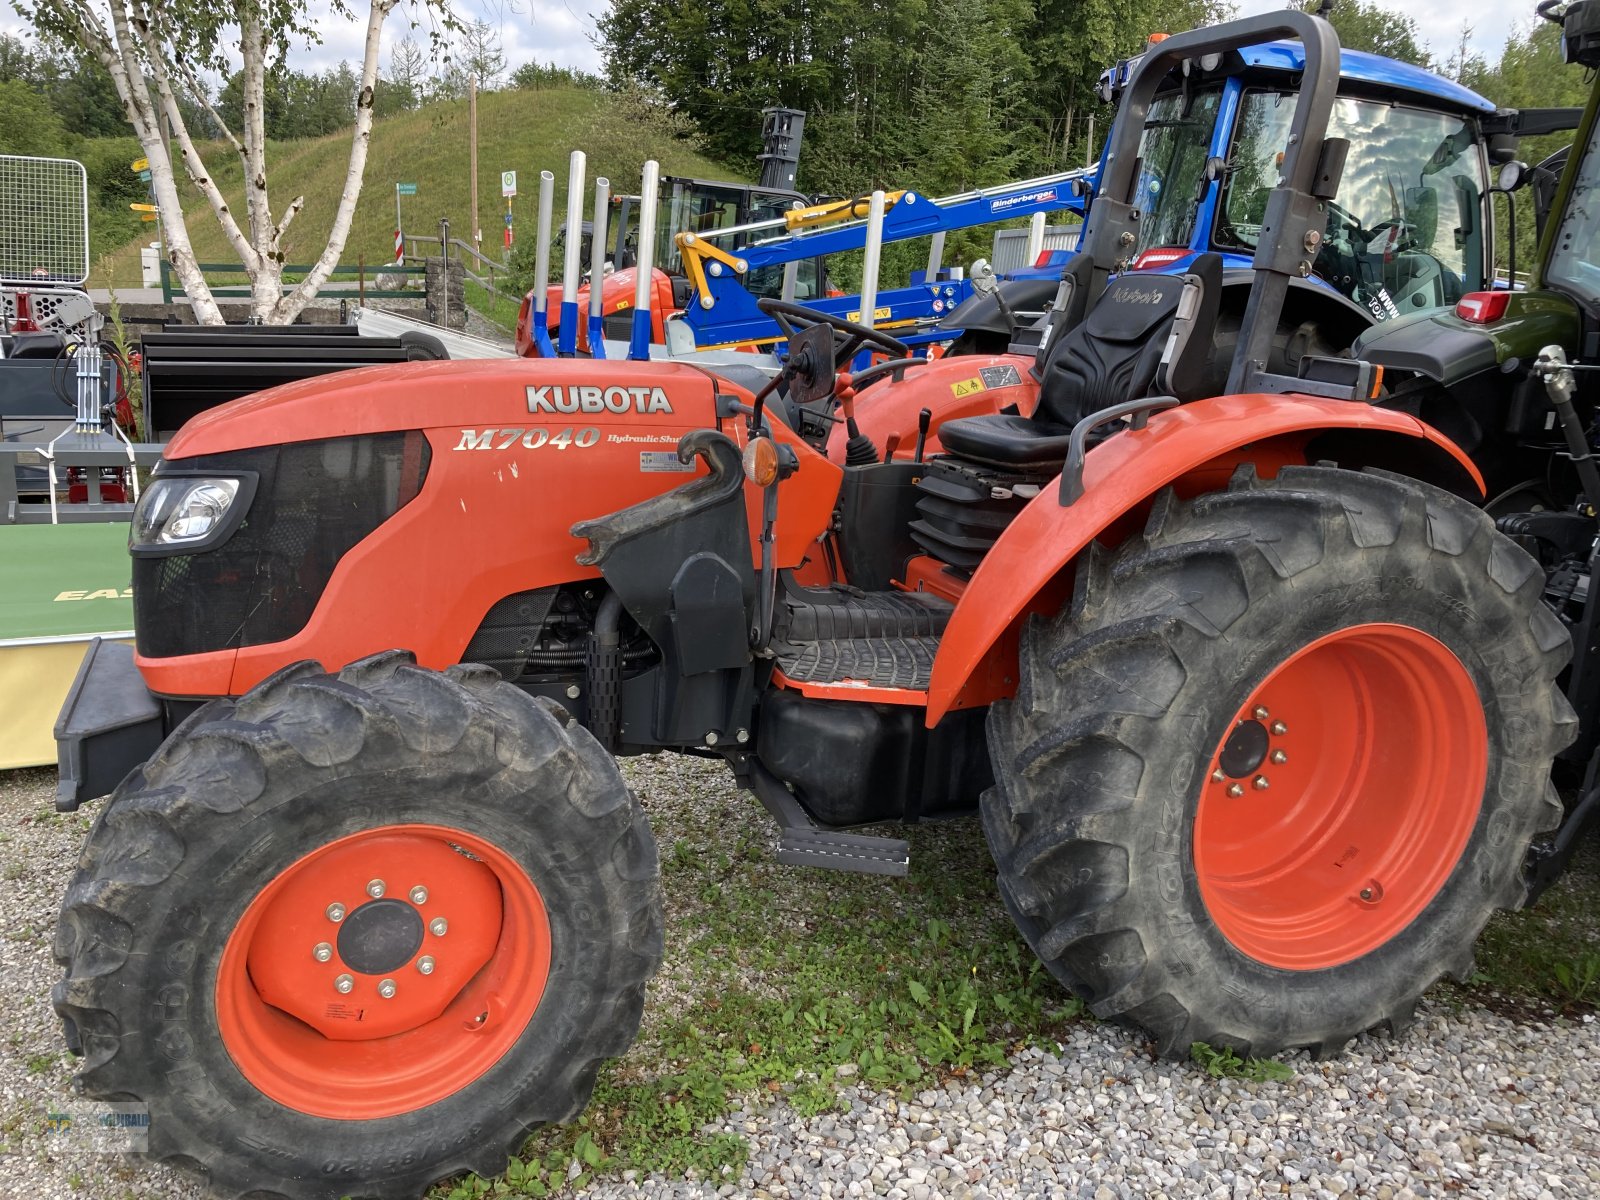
[(143, 48), (360, 138)]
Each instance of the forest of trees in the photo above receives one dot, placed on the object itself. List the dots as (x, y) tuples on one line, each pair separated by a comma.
[(935, 94)]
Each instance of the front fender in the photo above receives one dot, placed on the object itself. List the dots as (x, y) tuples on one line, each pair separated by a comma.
[(1205, 440)]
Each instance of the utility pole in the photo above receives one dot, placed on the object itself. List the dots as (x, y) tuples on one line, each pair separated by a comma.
[(1088, 155), (472, 153)]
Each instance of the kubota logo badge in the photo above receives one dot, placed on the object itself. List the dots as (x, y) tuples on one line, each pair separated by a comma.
[(588, 398)]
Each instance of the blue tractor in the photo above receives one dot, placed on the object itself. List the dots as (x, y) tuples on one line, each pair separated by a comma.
[(1410, 229)]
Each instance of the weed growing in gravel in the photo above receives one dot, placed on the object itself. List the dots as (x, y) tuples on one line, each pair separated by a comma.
[(1578, 980), (1522, 955), (785, 985), (38, 1064), (1219, 1062)]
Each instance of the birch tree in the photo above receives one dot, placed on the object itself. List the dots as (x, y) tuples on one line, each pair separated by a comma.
[(156, 51)]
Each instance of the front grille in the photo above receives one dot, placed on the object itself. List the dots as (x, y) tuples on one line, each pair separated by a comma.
[(313, 502)]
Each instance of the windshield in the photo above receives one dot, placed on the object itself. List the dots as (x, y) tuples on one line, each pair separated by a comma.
[(1575, 258), (699, 208), (1172, 163), (1406, 229)]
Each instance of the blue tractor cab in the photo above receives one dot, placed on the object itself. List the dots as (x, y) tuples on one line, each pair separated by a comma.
[(1411, 226)]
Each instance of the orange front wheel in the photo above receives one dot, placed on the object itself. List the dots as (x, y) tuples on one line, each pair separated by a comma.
[(349, 935)]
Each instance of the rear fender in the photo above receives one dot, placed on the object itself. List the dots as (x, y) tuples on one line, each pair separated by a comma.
[(1196, 448)]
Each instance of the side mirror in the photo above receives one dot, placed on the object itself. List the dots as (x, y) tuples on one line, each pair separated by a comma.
[(982, 276), (1512, 176)]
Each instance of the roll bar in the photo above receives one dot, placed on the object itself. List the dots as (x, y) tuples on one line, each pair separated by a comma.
[(1295, 218)]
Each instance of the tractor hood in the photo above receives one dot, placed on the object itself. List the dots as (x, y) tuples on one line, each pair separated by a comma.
[(499, 395)]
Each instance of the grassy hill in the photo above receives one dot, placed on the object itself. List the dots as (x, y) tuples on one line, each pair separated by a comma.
[(522, 131)]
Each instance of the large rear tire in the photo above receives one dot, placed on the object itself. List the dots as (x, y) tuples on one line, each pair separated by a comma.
[(1268, 775), (352, 934)]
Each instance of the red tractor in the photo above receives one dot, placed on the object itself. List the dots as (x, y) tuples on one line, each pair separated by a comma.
[(1258, 706)]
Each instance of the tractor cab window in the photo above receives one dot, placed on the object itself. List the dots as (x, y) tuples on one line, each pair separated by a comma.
[(1574, 264), (698, 208), (1172, 156), (1406, 229), (768, 281)]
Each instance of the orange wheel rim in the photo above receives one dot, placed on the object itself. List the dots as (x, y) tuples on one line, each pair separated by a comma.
[(1341, 798), (383, 972)]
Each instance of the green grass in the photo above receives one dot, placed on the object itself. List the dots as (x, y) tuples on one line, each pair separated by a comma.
[(499, 310), (517, 130), (1226, 1062), (1543, 960), (787, 984)]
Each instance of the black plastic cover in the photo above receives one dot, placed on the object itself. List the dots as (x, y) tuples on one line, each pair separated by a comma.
[(109, 724), (314, 501)]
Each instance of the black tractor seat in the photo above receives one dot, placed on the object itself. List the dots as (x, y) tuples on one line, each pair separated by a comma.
[(1145, 335), (1007, 439)]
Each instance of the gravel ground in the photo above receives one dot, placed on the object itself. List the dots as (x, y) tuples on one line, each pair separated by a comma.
[(1468, 1103)]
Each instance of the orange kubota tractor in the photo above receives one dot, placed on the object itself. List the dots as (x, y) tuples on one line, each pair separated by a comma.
[(1258, 705)]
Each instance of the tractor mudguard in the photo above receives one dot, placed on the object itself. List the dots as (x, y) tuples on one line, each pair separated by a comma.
[(966, 385), (1443, 347), (1202, 442)]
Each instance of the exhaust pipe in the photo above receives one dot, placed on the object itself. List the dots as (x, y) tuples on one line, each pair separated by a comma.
[(541, 269), (597, 268), (644, 281), (567, 338)]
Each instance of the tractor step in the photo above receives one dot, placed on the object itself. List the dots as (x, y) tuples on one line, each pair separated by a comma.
[(802, 844), (884, 639), (857, 852)]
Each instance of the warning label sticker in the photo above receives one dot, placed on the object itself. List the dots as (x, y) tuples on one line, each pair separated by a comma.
[(1001, 375)]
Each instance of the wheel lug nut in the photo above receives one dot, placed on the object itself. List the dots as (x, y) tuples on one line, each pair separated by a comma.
[(344, 984), (1217, 776), (419, 895), (375, 889), (425, 965), (1280, 757), (323, 952), (1261, 783), (438, 926), (1366, 893), (335, 912), (386, 989), (1235, 789), (1279, 728), (1261, 712)]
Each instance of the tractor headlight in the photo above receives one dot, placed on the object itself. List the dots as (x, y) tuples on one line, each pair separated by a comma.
[(184, 512)]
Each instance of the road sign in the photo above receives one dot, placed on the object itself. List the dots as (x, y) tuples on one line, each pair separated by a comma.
[(144, 176), (144, 208), (508, 183), (405, 189), (147, 216), (141, 164)]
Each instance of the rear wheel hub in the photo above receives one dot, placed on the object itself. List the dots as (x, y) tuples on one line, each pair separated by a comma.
[(1342, 797)]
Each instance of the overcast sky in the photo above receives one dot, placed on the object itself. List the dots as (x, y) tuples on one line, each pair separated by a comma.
[(559, 30)]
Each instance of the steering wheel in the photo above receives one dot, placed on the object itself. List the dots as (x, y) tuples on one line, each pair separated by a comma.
[(854, 336)]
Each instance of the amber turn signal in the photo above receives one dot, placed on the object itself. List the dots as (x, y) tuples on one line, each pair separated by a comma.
[(761, 462)]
